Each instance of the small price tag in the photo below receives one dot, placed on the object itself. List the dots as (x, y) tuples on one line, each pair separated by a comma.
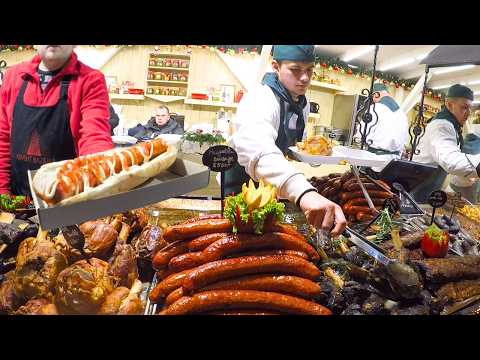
[(220, 158)]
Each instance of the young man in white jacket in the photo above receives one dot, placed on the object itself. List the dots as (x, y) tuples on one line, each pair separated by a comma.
[(272, 117), (442, 143)]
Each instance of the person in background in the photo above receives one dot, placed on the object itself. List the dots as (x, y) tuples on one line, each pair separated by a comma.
[(443, 144), (52, 108), (113, 120), (390, 134), (270, 118), (468, 187), (161, 123)]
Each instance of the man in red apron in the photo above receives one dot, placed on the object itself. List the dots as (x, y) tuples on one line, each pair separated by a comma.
[(52, 108)]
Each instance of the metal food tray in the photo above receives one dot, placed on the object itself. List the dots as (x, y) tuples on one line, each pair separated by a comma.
[(341, 153), (182, 177)]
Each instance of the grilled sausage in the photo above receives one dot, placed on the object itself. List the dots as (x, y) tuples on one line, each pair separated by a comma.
[(373, 194), (363, 216), (249, 312), (202, 217), (353, 210), (238, 243), (195, 229), (300, 254), (203, 241), (167, 285), (186, 261), (244, 299), (368, 186), (283, 228), (363, 201), (161, 258), (223, 269)]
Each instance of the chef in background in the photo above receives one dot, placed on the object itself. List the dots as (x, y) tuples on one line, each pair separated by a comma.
[(390, 134), (468, 187), (443, 144)]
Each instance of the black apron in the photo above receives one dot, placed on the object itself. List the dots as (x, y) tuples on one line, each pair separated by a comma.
[(236, 176), (39, 135)]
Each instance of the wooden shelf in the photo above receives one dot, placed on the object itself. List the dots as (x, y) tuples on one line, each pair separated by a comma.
[(168, 82), (331, 87), (165, 98), (210, 103), (184, 56), (167, 68), (126, 97)]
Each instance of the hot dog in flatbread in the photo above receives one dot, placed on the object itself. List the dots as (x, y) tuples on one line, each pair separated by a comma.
[(97, 175)]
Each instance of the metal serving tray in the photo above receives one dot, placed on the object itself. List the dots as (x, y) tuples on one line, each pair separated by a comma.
[(181, 178)]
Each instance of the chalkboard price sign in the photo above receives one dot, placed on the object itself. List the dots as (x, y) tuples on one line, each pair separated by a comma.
[(220, 158), (437, 198)]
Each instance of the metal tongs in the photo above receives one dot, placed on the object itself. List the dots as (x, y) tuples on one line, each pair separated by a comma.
[(402, 278), (364, 191)]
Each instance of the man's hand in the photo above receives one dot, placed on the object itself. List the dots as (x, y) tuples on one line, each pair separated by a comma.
[(323, 213)]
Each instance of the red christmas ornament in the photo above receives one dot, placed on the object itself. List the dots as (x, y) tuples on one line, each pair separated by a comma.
[(349, 71), (385, 82), (204, 46), (324, 65), (335, 68), (222, 49), (397, 86), (241, 50), (254, 49)]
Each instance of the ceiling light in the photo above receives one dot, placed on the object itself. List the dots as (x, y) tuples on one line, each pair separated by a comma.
[(352, 66), (474, 82), (397, 64), (440, 87), (454, 68), (356, 54)]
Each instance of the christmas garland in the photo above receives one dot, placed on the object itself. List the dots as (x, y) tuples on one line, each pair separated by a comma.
[(326, 63), (338, 66)]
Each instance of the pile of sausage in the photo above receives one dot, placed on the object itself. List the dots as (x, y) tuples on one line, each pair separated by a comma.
[(206, 269), (345, 191)]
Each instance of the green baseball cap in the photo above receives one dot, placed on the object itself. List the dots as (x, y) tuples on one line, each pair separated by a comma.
[(461, 91), (304, 53)]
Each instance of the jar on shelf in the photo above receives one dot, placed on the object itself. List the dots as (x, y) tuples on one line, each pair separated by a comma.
[(185, 63), (175, 63), (168, 63), (160, 62), (158, 91), (152, 62), (150, 90), (158, 76), (174, 76), (150, 75), (182, 77), (173, 92)]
